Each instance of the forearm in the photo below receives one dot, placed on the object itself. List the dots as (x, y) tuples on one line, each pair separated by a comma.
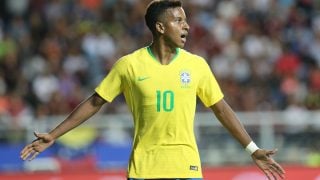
[(229, 120), (80, 114)]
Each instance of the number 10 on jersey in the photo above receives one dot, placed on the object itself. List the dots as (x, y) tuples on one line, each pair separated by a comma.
[(165, 100)]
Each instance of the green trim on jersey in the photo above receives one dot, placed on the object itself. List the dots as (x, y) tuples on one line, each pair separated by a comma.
[(162, 100), (154, 57)]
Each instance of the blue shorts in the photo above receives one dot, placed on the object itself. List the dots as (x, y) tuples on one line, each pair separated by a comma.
[(171, 179)]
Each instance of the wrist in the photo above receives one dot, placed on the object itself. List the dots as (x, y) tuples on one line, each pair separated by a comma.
[(251, 148), (52, 136)]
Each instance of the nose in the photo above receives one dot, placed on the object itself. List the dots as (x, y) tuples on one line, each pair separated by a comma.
[(186, 26)]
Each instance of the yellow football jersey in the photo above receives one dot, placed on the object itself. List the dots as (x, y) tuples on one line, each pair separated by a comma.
[(162, 99)]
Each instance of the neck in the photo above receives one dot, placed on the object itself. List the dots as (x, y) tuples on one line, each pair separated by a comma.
[(163, 53)]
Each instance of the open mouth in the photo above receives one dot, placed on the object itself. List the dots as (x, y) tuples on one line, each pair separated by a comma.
[(184, 37)]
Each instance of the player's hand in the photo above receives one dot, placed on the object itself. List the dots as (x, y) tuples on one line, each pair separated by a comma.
[(32, 150), (267, 164)]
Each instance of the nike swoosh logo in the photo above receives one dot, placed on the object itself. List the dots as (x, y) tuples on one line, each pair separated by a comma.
[(143, 78)]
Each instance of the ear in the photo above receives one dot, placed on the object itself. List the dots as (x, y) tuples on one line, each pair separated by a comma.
[(160, 27)]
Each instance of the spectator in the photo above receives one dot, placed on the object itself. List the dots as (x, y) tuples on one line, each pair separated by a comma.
[(69, 45)]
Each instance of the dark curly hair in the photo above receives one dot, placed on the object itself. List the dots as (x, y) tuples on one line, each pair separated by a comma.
[(155, 10)]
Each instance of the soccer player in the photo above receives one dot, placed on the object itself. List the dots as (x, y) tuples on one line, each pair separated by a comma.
[(160, 84)]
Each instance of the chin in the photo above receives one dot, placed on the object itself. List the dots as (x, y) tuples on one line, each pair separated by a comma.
[(180, 45), (177, 45)]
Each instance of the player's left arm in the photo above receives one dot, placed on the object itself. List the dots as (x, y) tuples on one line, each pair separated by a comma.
[(261, 157)]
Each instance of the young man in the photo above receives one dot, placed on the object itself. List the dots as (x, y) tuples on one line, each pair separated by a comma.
[(160, 84)]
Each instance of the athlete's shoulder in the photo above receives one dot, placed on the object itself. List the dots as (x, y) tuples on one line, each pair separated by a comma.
[(130, 58), (191, 56), (135, 54)]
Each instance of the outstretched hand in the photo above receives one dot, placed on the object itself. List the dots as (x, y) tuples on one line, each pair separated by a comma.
[(32, 150), (267, 164)]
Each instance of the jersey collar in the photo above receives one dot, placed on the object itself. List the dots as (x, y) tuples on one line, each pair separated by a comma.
[(154, 57)]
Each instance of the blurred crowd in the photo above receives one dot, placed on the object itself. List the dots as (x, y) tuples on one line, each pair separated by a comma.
[(264, 53)]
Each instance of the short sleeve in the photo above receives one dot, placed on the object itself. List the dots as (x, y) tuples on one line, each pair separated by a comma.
[(208, 88), (111, 85)]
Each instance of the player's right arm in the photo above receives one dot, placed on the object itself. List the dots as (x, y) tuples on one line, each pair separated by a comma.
[(80, 114)]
